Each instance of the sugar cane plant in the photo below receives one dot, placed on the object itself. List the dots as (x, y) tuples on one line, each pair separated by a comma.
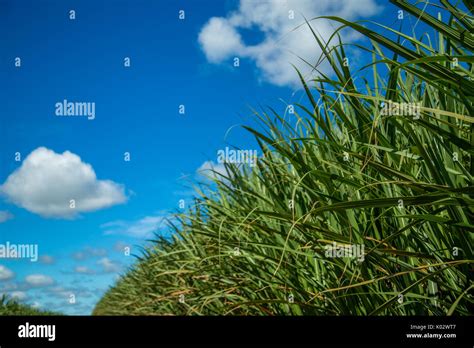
[(384, 162)]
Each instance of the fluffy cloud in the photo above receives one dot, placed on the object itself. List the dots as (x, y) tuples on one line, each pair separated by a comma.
[(221, 46), (18, 295), (38, 280), (36, 304), (142, 228), (5, 215), (283, 39), (120, 246), (58, 290), (83, 270), (89, 252), (47, 181), (5, 273), (108, 266), (211, 170), (61, 292), (47, 259)]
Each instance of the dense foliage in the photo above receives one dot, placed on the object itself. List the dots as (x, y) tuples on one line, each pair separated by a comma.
[(340, 171)]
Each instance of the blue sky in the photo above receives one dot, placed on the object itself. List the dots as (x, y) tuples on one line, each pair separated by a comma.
[(173, 62)]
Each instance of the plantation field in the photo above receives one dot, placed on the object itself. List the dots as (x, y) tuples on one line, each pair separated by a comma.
[(342, 175)]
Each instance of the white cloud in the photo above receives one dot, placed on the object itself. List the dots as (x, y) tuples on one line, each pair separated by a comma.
[(64, 293), (36, 304), (83, 270), (120, 246), (38, 280), (142, 228), (47, 259), (59, 290), (5, 273), (219, 47), (10, 286), (5, 215), (18, 295), (211, 170), (108, 266), (220, 37), (89, 252), (47, 181)]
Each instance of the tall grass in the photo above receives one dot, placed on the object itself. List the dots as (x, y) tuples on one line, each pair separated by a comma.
[(340, 172)]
